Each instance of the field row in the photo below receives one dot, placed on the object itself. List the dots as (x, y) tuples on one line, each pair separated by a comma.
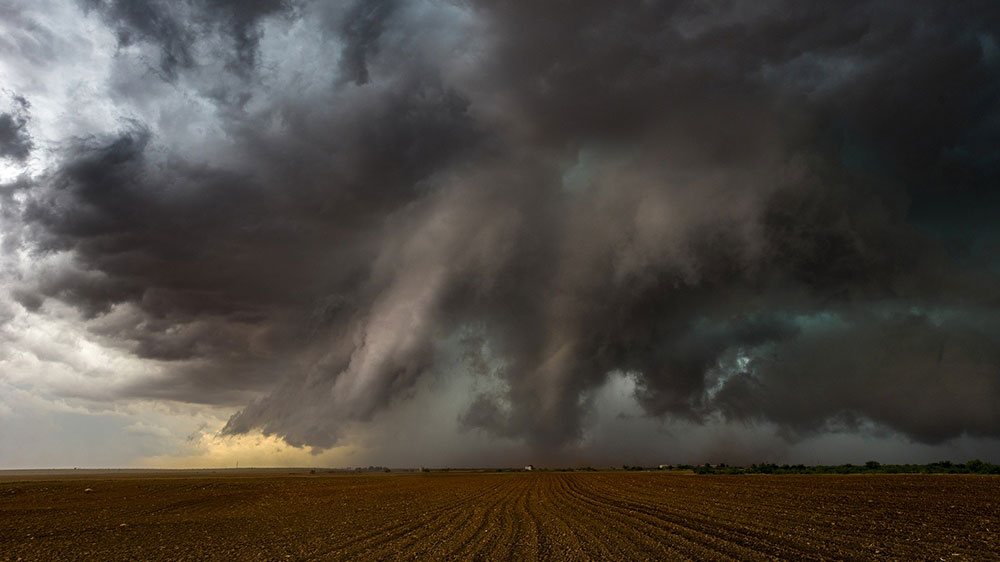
[(510, 516)]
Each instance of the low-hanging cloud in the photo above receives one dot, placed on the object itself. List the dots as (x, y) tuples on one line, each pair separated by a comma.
[(759, 212)]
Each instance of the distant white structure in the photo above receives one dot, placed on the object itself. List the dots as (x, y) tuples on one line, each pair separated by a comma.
[(529, 467)]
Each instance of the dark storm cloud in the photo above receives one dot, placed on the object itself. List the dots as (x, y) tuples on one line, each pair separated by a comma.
[(150, 21), (173, 27), (15, 142), (732, 203), (361, 29), (930, 376)]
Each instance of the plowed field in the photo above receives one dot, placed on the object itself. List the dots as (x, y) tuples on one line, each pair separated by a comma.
[(500, 516)]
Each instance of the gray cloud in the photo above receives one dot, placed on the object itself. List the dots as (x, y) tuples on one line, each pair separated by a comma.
[(175, 27), (753, 211), (15, 142), (925, 374), (361, 28)]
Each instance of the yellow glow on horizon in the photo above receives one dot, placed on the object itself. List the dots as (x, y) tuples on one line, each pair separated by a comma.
[(212, 450)]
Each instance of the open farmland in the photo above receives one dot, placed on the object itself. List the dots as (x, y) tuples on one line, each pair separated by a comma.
[(498, 516)]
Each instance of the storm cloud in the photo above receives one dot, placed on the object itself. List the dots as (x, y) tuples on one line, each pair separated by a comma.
[(771, 212), (15, 142)]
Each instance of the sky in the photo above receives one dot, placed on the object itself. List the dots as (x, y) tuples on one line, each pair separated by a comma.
[(479, 233)]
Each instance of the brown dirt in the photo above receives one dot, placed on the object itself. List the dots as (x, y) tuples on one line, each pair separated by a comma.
[(506, 516)]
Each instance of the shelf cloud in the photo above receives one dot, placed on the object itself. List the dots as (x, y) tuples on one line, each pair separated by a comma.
[(778, 213)]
